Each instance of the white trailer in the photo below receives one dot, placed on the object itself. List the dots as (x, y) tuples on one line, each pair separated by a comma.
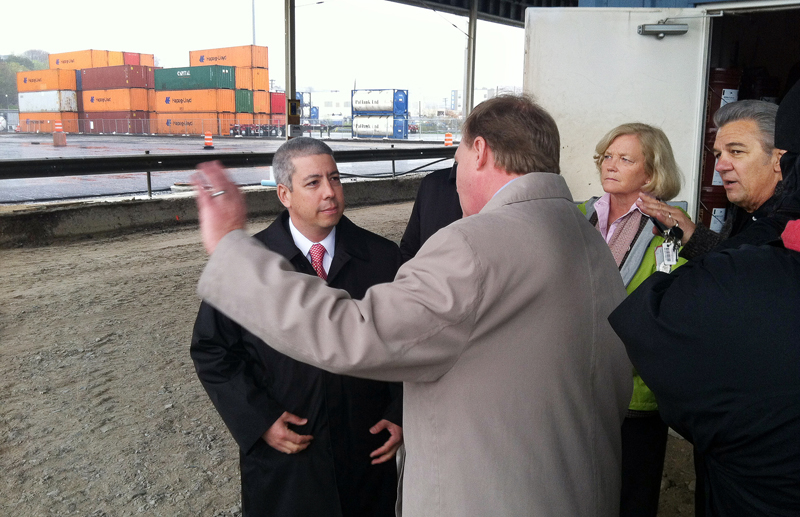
[(592, 70)]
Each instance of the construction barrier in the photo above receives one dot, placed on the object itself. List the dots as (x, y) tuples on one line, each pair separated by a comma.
[(209, 141), (448, 139), (59, 137)]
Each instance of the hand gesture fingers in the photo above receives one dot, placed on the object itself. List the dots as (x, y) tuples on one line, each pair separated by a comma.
[(388, 449), (220, 204), (283, 439), (669, 215)]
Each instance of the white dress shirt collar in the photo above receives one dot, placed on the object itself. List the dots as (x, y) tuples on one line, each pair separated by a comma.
[(304, 245)]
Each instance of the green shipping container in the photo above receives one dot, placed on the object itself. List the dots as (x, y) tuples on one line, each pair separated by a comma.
[(244, 101), (195, 78)]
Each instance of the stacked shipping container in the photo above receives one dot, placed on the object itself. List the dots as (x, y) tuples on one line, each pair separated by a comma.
[(55, 94), (380, 113), (98, 58), (100, 91), (46, 96), (115, 99), (195, 99), (251, 71)]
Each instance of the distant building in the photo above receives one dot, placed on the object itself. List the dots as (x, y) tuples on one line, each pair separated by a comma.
[(479, 95), (333, 105)]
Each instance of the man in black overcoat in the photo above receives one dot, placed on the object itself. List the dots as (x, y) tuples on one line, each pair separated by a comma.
[(311, 442), (436, 206)]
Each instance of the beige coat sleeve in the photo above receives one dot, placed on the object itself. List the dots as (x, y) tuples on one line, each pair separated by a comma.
[(412, 329)]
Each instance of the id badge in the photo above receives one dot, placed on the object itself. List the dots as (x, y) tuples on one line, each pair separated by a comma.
[(661, 266), (670, 253)]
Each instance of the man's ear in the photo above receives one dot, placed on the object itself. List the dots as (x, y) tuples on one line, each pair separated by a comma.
[(284, 195), (481, 151), (777, 154)]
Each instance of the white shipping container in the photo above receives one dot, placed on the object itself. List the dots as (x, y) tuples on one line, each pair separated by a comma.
[(380, 126), (373, 100), (48, 101)]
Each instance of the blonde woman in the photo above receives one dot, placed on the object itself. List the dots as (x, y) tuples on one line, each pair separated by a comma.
[(634, 158)]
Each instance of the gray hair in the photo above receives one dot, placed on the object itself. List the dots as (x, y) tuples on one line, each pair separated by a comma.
[(761, 112), (283, 164)]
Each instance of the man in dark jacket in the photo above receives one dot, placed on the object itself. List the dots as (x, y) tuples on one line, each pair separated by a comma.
[(748, 163), (717, 342), (311, 442), (436, 206)]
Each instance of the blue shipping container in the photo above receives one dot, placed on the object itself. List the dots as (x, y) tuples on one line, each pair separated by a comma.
[(386, 102), (380, 126)]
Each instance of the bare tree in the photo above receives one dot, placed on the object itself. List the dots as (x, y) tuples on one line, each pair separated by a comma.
[(39, 58)]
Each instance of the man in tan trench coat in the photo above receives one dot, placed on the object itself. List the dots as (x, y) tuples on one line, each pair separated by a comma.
[(515, 386)]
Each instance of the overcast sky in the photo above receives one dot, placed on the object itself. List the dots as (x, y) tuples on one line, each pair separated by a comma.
[(374, 43)]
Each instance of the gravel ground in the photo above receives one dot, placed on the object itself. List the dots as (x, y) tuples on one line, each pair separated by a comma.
[(102, 414)]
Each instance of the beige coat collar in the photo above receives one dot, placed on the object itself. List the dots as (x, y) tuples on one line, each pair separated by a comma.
[(531, 186)]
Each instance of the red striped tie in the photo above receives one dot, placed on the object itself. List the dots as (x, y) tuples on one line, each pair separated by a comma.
[(317, 252)]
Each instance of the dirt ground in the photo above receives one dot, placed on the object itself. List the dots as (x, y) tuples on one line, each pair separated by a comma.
[(102, 414)]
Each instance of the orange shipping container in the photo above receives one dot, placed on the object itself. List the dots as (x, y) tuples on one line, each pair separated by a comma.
[(261, 102), (261, 79), (79, 59), (122, 99), (44, 80), (244, 118), (244, 78), (196, 101), (45, 122), (115, 58), (251, 56), (147, 60), (192, 123), (151, 100), (266, 118)]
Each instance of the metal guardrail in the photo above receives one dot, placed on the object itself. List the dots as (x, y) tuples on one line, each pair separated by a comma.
[(84, 166)]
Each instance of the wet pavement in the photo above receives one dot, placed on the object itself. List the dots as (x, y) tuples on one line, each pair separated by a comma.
[(37, 146)]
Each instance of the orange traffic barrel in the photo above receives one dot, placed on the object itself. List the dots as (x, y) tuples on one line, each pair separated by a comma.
[(59, 137), (448, 139), (209, 141)]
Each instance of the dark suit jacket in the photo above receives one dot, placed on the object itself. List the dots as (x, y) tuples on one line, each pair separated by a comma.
[(436, 206), (717, 342), (251, 385)]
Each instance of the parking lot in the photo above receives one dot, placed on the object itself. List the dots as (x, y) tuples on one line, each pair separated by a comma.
[(27, 146)]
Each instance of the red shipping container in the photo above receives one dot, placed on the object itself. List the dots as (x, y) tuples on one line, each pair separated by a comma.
[(113, 77), (277, 102), (131, 58), (137, 122)]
